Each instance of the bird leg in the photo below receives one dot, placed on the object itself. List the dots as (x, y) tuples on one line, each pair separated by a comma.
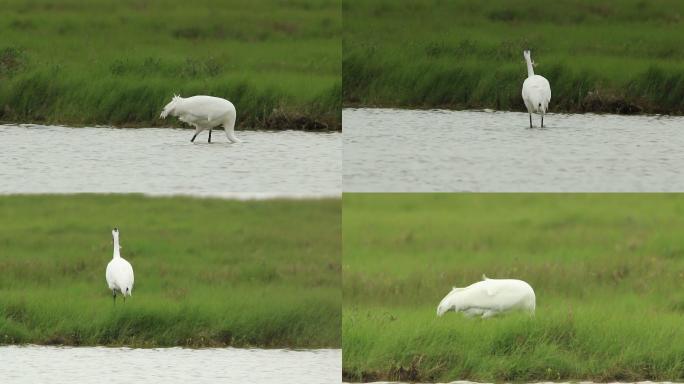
[(530, 120), (197, 131), (114, 296), (124, 297), (209, 141), (542, 120)]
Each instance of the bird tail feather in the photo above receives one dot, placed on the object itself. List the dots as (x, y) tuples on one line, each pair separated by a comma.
[(230, 133)]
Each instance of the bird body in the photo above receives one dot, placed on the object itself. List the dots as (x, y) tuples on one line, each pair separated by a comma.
[(204, 113), (536, 91), (489, 297), (119, 272)]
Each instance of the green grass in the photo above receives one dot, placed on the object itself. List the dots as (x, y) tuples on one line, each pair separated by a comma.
[(119, 62), (207, 272), (607, 271), (620, 56)]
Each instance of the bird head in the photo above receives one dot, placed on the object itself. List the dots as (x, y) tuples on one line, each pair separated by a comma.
[(115, 235), (170, 107), (445, 305), (527, 55)]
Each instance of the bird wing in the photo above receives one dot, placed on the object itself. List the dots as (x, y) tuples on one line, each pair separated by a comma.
[(507, 293), (206, 107), (542, 86), (492, 288), (536, 90), (129, 272), (120, 274), (109, 275), (490, 294), (476, 295)]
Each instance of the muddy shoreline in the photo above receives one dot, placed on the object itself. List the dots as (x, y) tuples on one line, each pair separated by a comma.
[(274, 122)]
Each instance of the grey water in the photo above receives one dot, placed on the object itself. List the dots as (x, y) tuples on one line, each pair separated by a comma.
[(162, 161), (45, 364), (391, 150)]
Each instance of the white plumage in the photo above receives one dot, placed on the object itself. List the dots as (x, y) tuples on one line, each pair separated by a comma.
[(489, 297), (204, 112), (119, 271), (536, 91)]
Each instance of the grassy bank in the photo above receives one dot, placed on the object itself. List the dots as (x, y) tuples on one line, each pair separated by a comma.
[(607, 271), (118, 63), (207, 272), (612, 56)]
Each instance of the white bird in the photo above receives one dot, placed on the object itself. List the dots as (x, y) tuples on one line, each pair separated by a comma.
[(489, 297), (204, 112), (119, 271), (536, 91)]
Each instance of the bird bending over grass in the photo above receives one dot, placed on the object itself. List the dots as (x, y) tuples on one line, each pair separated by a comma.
[(489, 297), (536, 91), (119, 271), (204, 112)]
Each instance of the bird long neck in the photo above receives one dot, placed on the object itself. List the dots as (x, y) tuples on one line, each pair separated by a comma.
[(530, 70), (117, 252)]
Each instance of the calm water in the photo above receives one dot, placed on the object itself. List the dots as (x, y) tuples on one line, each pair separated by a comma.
[(162, 161), (38, 364), (427, 151)]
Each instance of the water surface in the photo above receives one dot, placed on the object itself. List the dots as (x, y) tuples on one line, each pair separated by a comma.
[(390, 150), (162, 161), (40, 364)]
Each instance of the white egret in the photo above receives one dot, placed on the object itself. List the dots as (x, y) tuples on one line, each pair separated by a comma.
[(536, 91), (489, 297), (204, 112), (119, 271)]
